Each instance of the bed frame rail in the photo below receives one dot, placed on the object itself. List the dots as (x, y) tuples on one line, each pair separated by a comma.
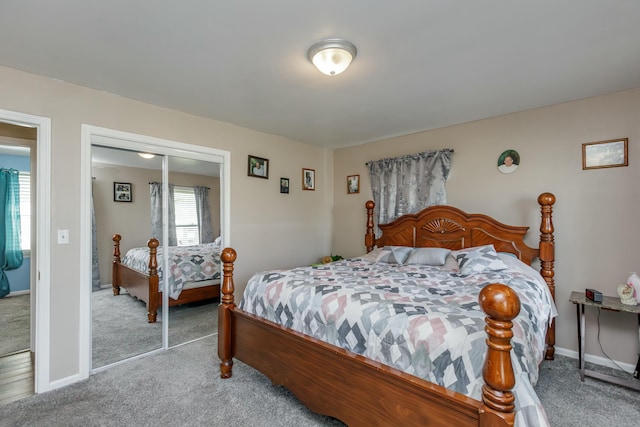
[(344, 389)]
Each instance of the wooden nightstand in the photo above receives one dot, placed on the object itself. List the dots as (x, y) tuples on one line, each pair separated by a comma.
[(608, 303)]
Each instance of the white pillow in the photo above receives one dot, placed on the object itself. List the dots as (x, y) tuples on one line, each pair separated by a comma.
[(371, 256), (394, 254), (428, 256), (478, 259)]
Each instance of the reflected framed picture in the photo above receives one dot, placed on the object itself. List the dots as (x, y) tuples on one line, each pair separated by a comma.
[(122, 192), (284, 185), (308, 179), (258, 167), (605, 154), (353, 184)]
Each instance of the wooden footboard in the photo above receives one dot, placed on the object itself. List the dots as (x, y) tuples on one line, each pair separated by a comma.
[(360, 392), (146, 287)]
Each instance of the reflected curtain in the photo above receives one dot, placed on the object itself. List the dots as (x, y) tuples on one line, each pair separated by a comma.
[(95, 266), (10, 244), (204, 214), (408, 184), (156, 213)]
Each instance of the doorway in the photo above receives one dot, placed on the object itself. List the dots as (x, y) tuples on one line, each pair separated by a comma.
[(167, 158), (32, 137)]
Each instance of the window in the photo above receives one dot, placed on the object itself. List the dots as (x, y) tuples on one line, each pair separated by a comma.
[(187, 229), (24, 179)]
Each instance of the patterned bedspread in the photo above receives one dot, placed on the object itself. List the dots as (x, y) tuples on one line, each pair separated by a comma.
[(423, 320), (186, 264)]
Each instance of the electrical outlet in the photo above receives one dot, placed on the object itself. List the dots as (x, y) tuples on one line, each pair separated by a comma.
[(63, 237)]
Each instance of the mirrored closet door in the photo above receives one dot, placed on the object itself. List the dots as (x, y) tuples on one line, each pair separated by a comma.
[(194, 249), (121, 206), (138, 197)]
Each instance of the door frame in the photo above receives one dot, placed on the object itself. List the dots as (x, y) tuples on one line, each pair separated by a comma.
[(142, 143), (40, 284)]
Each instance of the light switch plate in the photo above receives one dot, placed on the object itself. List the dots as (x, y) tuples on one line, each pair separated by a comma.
[(63, 237)]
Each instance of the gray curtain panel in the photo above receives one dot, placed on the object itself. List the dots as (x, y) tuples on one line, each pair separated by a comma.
[(95, 266), (156, 213), (204, 214), (408, 184)]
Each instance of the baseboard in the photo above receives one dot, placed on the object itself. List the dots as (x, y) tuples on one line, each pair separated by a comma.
[(598, 360), (16, 293), (65, 382)]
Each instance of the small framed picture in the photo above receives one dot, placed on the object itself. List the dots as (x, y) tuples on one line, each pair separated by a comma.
[(122, 192), (353, 184), (605, 154), (508, 161), (284, 185), (258, 167), (308, 179)]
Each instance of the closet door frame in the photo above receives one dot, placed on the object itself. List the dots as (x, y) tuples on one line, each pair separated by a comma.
[(142, 143)]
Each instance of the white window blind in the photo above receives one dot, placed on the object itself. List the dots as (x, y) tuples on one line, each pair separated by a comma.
[(24, 179), (187, 230)]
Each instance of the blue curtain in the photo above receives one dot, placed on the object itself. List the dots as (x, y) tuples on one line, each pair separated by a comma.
[(10, 247)]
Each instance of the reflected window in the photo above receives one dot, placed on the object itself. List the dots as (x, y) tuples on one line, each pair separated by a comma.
[(187, 227)]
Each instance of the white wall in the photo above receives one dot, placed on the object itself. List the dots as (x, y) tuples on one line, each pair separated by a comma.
[(596, 211), (269, 230)]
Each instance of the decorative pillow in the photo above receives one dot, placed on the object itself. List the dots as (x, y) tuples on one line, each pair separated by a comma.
[(371, 256), (428, 256), (394, 254), (478, 259), (218, 241)]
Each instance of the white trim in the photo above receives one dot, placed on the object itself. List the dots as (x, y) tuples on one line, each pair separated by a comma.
[(142, 143), (43, 243), (598, 360)]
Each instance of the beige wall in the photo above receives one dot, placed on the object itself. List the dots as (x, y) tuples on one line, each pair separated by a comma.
[(268, 229), (596, 211), (133, 220)]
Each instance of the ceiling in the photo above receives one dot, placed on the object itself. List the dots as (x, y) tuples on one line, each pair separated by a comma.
[(420, 65)]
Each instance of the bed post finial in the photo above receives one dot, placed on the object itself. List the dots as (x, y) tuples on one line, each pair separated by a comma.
[(502, 305), (228, 257), (369, 237), (547, 260), (115, 271)]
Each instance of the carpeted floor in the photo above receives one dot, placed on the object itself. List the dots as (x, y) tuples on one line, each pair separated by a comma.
[(14, 321), (120, 328), (182, 387)]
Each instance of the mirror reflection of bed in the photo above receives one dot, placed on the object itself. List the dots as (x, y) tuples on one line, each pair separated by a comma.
[(121, 326)]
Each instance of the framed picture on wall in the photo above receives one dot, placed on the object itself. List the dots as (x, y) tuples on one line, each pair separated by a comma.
[(605, 154), (353, 184), (122, 192), (284, 185), (308, 179), (258, 167)]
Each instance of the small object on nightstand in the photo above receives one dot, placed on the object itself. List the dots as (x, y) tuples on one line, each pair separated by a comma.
[(625, 292), (593, 295)]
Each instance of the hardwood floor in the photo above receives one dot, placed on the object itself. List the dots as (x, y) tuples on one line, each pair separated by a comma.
[(16, 376)]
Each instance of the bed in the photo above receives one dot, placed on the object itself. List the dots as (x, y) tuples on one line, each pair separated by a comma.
[(358, 390), (194, 273)]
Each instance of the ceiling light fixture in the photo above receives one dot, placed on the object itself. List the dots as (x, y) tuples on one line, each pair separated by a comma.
[(332, 56), (146, 155)]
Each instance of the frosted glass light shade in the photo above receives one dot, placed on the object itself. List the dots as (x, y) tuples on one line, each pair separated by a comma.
[(332, 56), (146, 155)]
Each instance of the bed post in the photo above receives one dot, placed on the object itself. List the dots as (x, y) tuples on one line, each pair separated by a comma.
[(547, 258), (115, 271), (154, 294), (501, 304), (228, 257), (369, 237)]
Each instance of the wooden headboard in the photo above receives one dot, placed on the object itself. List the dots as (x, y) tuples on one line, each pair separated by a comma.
[(449, 227)]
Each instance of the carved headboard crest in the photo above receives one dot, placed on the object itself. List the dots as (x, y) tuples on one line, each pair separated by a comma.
[(443, 226)]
